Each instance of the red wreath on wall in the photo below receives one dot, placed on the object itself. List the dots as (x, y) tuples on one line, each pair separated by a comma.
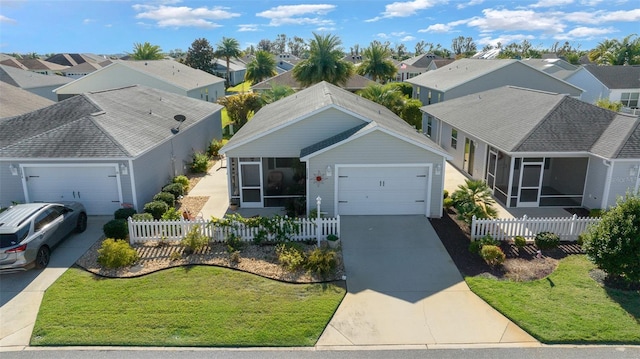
[(318, 178)]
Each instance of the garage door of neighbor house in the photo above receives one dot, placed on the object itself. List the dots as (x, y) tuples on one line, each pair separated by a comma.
[(383, 190), (96, 187)]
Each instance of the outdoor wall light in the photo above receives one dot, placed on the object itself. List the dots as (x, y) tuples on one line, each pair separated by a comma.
[(633, 170), (14, 170), (329, 172), (438, 169), (123, 169)]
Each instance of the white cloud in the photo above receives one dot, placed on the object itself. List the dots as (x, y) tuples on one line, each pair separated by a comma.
[(405, 9), (591, 2), (470, 3), (247, 27), (551, 3), (293, 14), (601, 16), (437, 28), (504, 39), (108, 25), (399, 33), (516, 20), (407, 38), (88, 21), (584, 33), (382, 35), (183, 16), (7, 20)]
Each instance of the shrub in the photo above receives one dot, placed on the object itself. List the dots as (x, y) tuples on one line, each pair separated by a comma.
[(314, 214), (175, 189), (116, 228), (321, 261), (476, 246), (596, 212), (332, 237), (234, 257), (614, 243), (166, 197), (116, 253), (214, 148), (290, 255), (175, 255), (156, 208), (445, 194), (474, 199), (184, 181), (234, 243), (142, 217), (519, 241), (547, 240), (172, 214), (493, 255), (194, 240), (124, 213), (447, 203), (200, 162)]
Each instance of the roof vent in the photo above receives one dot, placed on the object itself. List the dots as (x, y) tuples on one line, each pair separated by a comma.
[(179, 118)]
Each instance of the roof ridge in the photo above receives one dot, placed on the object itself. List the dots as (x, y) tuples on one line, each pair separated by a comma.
[(626, 137), (92, 118), (543, 120)]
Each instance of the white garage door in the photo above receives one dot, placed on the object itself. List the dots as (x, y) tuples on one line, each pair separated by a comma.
[(382, 190), (96, 187)]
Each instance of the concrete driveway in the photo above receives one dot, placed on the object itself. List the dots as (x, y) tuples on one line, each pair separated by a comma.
[(21, 293), (403, 288)]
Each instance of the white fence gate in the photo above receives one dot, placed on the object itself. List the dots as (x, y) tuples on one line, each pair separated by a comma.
[(568, 228), (144, 231)]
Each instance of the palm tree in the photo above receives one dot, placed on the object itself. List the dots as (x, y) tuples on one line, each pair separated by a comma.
[(616, 52), (474, 199), (324, 63), (262, 67), (276, 93), (146, 51), (376, 63), (387, 96), (228, 48)]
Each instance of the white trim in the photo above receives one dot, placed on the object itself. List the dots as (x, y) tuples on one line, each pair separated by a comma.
[(244, 204), (428, 166), (132, 182), (607, 184)]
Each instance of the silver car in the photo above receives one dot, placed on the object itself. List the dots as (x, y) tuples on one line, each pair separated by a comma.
[(28, 232)]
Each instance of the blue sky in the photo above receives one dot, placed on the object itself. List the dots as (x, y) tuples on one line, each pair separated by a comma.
[(109, 27)]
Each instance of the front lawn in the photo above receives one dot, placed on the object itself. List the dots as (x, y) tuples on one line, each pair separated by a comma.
[(568, 306), (186, 306)]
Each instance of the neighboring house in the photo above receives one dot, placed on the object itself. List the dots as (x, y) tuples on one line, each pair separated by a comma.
[(237, 70), (327, 142), (419, 64), (556, 67), (467, 76), (539, 149), (83, 69), (104, 149), (41, 85), (42, 67), (285, 62), (16, 101), (11, 61), (66, 59), (355, 82), (166, 75), (616, 83)]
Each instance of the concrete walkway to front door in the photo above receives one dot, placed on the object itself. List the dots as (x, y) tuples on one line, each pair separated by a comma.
[(404, 289)]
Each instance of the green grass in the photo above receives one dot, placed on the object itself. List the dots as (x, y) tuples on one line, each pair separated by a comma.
[(225, 118), (566, 307), (243, 87), (187, 306)]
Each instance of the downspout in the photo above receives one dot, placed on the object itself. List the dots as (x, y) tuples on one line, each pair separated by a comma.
[(134, 192), (607, 183)]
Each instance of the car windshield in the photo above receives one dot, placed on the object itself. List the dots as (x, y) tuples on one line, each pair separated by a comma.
[(11, 239)]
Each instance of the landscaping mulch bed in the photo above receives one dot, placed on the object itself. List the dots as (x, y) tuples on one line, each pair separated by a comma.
[(520, 265)]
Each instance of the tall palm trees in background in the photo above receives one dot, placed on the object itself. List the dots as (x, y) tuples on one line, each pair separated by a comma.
[(226, 49), (262, 67), (146, 51), (617, 52), (324, 63), (376, 63)]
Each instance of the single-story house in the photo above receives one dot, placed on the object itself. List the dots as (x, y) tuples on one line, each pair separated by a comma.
[(106, 149), (419, 64), (41, 85), (355, 82), (556, 67), (616, 83), (16, 101), (324, 141), (539, 149), (165, 75), (74, 59), (467, 76), (237, 70)]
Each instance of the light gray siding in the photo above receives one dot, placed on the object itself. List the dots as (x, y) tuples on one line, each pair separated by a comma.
[(595, 183), (294, 137), (209, 93), (376, 148), (622, 180), (10, 186), (45, 91), (593, 89)]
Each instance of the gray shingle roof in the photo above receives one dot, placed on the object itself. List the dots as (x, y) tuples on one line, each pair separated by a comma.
[(27, 79), (555, 67), (332, 140), (355, 82), (116, 123), (523, 120), (16, 101), (457, 73), (616, 77), (175, 73)]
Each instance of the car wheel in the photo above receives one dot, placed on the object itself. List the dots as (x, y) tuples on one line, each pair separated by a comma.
[(81, 225), (43, 256)]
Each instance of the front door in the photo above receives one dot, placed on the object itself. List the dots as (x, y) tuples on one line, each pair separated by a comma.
[(251, 184), (492, 165), (469, 154), (530, 184)]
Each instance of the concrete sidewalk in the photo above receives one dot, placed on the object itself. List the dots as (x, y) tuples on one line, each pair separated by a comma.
[(21, 293), (214, 186)]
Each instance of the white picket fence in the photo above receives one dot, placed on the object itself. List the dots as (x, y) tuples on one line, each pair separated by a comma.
[(145, 231), (568, 228)]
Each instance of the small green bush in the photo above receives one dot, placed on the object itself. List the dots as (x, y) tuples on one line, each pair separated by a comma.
[(142, 217), (116, 228), (124, 213), (194, 240), (447, 203), (321, 261), (116, 253), (547, 240), (290, 255), (175, 189), (234, 243), (200, 162), (184, 181), (476, 246), (596, 212), (172, 214), (519, 241), (166, 197), (214, 148), (332, 237), (445, 194), (156, 208), (314, 214), (493, 255)]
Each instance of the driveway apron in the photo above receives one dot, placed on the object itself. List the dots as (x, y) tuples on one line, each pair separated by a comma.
[(404, 289)]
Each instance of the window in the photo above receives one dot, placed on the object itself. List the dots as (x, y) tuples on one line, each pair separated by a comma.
[(630, 99), (454, 138), (429, 126)]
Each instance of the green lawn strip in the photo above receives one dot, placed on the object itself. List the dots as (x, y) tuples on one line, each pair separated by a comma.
[(225, 118), (243, 87), (566, 307), (195, 306)]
